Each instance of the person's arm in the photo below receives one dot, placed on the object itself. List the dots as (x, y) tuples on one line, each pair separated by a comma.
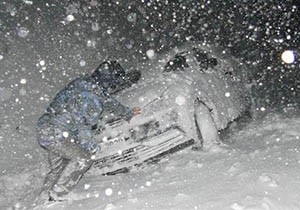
[(117, 109), (86, 140)]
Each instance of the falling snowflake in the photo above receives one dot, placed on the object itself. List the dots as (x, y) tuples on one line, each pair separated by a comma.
[(109, 31), (42, 62), (227, 94), (70, 18), (23, 81), (288, 56), (108, 191), (28, 2), (87, 186), (22, 32), (150, 53), (65, 134), (131, 17), (82, 63), (180, 100)]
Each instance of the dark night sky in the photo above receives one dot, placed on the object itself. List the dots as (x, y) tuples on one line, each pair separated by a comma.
[(255, 31)]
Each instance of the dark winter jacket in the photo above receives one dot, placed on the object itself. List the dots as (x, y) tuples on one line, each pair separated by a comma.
[(75, 112)]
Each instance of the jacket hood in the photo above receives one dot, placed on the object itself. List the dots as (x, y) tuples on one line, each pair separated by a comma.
[(113, 78)]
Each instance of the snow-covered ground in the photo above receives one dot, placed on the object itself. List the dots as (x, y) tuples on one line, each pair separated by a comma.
[(260, 170)]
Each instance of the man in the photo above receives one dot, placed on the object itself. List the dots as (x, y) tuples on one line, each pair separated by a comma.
[(66, 129)]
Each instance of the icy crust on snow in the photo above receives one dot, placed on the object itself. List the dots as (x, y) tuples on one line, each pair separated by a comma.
[(259, 171)]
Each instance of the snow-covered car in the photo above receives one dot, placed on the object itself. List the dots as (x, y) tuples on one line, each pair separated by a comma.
[(186, 95)]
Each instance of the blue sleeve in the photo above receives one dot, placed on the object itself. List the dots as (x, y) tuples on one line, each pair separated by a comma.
[(118, 109)]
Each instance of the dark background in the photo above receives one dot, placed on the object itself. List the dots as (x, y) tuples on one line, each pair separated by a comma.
[(38, 43)]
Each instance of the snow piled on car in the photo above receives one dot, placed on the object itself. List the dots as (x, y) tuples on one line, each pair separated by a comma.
[(225, 88)]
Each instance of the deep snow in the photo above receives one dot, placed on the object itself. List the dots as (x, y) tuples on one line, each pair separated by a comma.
[(259, 171)]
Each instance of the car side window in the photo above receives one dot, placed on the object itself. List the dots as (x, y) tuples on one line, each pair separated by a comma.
[(178, 63), (203, 59)]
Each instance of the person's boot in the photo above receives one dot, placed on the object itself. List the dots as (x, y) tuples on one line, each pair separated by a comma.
[(58, 194)]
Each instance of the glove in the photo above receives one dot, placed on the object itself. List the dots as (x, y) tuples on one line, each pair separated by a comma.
[(134, 112)]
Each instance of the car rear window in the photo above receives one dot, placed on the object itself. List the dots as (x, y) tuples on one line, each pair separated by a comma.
[(203, 59), (178, 63)]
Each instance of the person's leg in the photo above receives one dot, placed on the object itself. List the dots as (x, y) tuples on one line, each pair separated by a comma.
[(68, 160), (48, 134), (70, 177), (57, 164), (79, 162)]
